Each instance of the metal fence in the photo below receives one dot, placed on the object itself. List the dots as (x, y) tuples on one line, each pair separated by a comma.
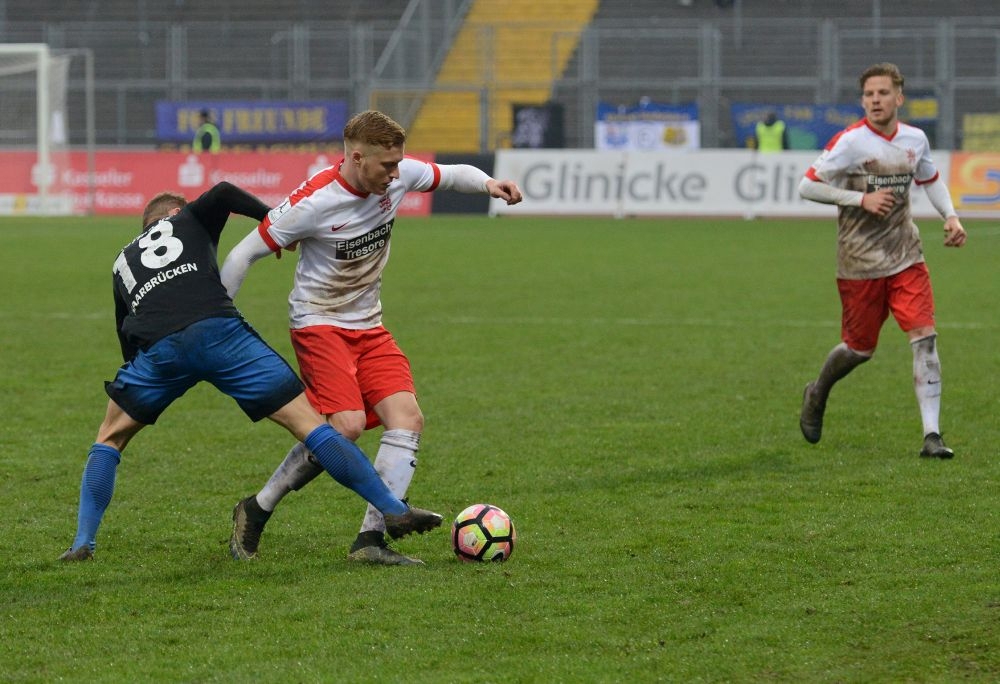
[(711, 62), (786, 62)]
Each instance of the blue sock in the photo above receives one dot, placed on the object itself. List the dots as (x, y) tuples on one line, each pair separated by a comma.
[(348, 465), (95, 492)]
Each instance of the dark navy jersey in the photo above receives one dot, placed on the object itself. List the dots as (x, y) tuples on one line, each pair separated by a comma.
[(168, 277)]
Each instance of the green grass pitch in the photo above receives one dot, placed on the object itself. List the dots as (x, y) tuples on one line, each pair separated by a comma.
[(628, 390)]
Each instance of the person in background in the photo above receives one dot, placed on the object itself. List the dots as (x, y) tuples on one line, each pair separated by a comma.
[(771, 134), (867, 171), (356, 375), (206, 138), (176, 327)]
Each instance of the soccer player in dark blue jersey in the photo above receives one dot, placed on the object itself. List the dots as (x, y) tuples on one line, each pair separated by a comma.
[(177, 326)]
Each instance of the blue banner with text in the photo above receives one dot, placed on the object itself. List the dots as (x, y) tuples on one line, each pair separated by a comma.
[(240, 122)]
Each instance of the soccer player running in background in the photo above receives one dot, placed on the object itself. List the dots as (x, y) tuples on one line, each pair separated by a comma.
[(867, 170), (177, 326), (342, 219)]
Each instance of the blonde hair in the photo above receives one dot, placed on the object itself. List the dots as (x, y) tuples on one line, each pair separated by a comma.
[(160, 206), (373, 128), (883, 69)]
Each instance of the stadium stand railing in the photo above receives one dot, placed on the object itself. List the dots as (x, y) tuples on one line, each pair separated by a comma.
[(512, 62)]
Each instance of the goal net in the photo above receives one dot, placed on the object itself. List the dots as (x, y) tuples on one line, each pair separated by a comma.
[(37, 176)]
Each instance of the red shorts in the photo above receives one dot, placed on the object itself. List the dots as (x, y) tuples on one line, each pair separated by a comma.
[(350, 370), (867, 304)]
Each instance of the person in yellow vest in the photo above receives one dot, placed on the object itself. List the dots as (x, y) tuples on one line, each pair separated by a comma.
[(206, 138), (771, 134)]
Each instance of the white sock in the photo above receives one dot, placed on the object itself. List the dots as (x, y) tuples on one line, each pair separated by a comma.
[(927, 381), (298, 469), (395, 462)]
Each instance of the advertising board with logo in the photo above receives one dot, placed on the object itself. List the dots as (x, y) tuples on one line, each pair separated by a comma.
[(696, 183), (975, 183), (124, 181)]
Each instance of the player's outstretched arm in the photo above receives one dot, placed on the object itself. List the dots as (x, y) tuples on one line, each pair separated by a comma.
[(240, 258), (468, 178), (213, 207)]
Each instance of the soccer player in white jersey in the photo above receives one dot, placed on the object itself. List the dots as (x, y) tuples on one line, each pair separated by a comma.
[(867, 170), (342, 219)]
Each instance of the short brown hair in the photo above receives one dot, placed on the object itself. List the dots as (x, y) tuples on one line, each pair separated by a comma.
[(883, 69), (374, 128), (160, 206)]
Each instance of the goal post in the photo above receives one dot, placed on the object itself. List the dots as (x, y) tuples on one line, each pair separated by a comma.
[(36, 113)]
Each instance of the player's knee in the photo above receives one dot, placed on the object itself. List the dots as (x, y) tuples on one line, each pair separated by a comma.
[(400, 411), (414, 420), (115, 436), (411, 418), (349, 425), (117, 428)]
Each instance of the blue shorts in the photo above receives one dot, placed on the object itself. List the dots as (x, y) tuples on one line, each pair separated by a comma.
[(226, 352)]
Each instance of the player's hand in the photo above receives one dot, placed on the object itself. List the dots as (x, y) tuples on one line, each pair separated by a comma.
[(506, 190), (879, 202), (954, 233)]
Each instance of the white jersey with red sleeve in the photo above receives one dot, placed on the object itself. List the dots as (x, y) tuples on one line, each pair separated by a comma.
[(862, 159), (343, 240)]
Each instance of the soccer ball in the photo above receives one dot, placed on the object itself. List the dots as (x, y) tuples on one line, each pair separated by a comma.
[(483, 533)]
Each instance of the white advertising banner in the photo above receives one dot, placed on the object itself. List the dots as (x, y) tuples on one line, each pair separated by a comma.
[(738, 183)]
